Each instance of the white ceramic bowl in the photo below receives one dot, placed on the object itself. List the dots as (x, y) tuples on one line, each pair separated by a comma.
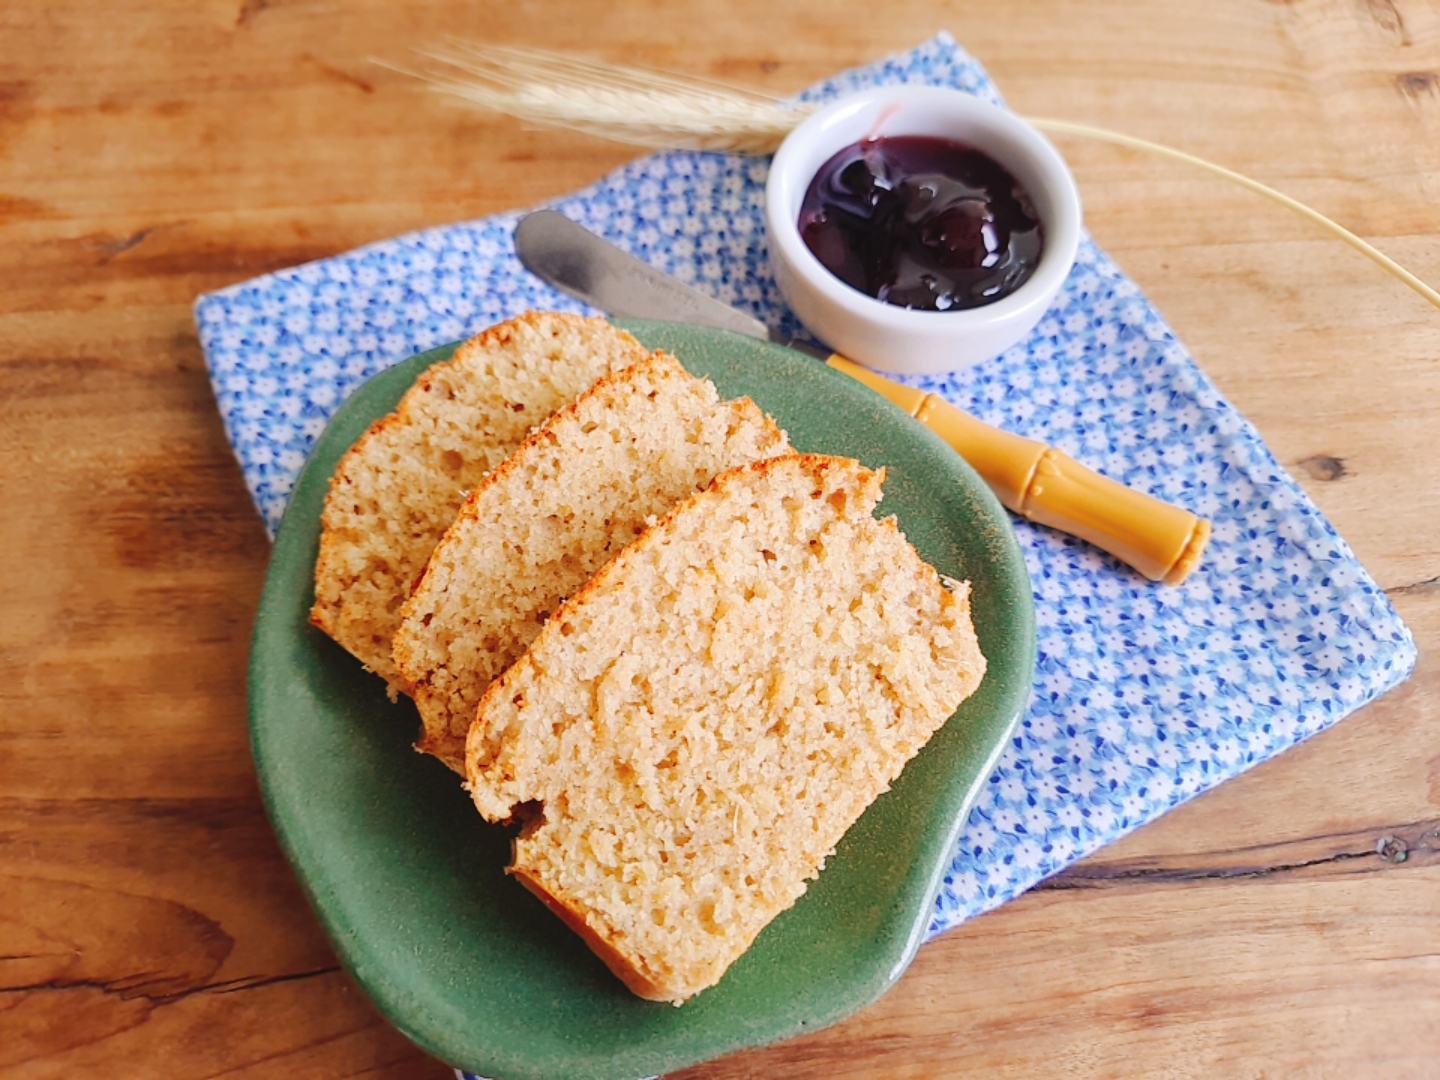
[(882, 335)]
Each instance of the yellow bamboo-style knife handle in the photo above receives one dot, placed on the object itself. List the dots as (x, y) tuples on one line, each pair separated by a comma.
[(1045, 485)]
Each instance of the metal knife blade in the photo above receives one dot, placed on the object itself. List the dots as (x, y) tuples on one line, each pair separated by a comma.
[(578, 262)]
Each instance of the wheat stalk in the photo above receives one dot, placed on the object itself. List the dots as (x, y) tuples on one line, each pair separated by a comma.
[(1066, 127), (630, 105), (650, 108)]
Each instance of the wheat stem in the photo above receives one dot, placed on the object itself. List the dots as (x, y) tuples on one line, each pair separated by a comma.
[(629, 105), (1067, 127)]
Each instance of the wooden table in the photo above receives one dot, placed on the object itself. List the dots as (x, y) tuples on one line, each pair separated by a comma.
[(148, 923)]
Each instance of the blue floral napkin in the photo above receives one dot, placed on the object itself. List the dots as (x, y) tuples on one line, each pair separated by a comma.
[(1144, 695)]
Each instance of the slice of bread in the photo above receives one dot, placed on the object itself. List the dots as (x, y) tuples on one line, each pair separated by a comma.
[(535, 530), (397, 490), (695, 730)]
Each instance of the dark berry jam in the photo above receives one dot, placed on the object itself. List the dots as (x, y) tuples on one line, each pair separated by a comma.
[(922, 222)]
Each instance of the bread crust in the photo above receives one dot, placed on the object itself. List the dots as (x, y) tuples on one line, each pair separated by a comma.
[(434, 739), (474, 750), (636, 981), (694, 776), (347, 548), (659, 369)]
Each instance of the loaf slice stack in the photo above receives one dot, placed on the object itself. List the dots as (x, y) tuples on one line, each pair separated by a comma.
[(536, 529), (397, 490), (696, 728)]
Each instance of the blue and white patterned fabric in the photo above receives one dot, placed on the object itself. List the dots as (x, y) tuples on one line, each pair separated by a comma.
[(1144, 695)]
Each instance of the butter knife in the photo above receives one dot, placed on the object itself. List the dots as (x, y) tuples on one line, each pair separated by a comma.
[(1038, 482)]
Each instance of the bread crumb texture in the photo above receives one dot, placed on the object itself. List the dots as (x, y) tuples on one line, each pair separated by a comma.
[(399, 487), (702, 722), (535, 530)]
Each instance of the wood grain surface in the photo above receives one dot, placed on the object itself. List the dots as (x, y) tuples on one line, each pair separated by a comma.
[(1285, 925)]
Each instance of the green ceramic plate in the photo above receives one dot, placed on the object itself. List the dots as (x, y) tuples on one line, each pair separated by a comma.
[(409, 882)]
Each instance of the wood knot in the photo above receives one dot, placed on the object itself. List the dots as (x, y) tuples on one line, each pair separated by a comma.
[(1324, 467), (1392, 849), (1387, 16), (1417, 84)]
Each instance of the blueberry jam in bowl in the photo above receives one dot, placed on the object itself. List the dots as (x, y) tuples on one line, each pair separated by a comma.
[(917, 229)]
